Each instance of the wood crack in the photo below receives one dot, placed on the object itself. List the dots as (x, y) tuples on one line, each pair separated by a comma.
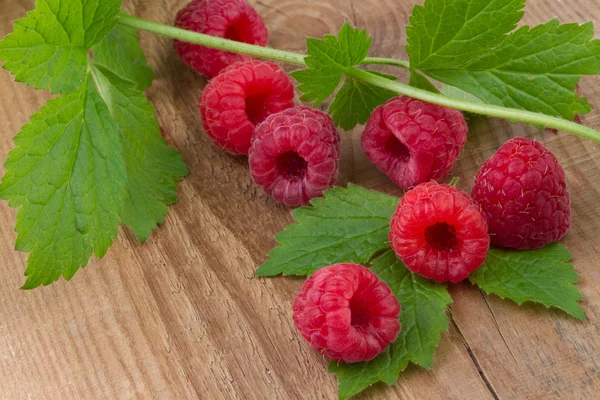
[(485, 299), (277, 10), (353, 12), (476, 363)]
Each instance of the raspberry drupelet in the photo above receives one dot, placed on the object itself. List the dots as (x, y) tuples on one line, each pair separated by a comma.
[(439, 232), (414, 142), (346, 313), (241, 97), (523, 191), (295, 155), (228, 19)]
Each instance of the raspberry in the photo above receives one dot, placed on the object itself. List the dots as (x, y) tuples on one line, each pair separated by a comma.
[(347, 313), (522, 190), (295, 155), (414, 142), (240, 98), (229, 19), (439, 232)]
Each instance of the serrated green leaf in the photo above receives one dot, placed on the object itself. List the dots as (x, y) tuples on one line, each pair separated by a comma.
[(120, 52), (327, 61), (153, 167), (48, 48), (348, 225), (67, 174), (468, 44), (533, 69), (423, 318), (542, 276), (92, 158), (355, 101), (448, 34), (419, 81)]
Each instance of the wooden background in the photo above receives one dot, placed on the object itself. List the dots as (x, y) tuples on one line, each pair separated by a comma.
[(182, 317)]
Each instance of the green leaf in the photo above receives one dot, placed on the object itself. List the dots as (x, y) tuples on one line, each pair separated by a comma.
[(348, 225), (120, 52), (533, 69), (153, 167), (423, 318), (542, 276), (92, 158), (327, 61), (67, 175), (355, 101), (419, 81), (48, 48), (468, 44), (448, 34)]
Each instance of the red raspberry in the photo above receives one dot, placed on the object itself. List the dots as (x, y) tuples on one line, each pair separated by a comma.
[(414, 142), (229, 19), (439, 232), (241, 97), (522, 190), (295, 155), (348, 314)]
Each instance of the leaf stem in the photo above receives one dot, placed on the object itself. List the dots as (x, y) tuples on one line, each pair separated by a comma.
[(211, 41), (375, 80), (512, 114), (235, 47), (387, 61)]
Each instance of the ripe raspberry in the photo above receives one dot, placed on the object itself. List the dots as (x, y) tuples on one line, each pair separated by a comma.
[(241, 97), (229, 19), (439, 232), (295, 155), (414, 142), (522, 190), (348, 314)]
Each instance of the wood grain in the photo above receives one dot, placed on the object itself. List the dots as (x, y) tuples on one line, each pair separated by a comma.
[(182, 317)]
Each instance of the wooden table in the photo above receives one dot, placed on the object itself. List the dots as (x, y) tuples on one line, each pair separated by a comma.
[(182, 317)]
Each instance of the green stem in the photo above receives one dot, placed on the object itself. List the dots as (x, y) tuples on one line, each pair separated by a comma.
[(375, 80), (211, 41), (235, 47), (476, 108), (386, 61)]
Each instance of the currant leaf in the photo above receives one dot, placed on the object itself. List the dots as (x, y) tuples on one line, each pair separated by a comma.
[(541, 276), (93, 157), (120, 51), (48, 48), (153, 167), (468, 44), (68, 176), (348, 225), (327, 61), (355, 101)]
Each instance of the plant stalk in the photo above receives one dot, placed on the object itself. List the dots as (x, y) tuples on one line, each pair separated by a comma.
[(386, 61), (211, 41), (512, 114)]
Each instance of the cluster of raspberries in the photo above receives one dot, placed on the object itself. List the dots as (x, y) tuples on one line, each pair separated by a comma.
[(248, 108), (345, 311), (519, 201)]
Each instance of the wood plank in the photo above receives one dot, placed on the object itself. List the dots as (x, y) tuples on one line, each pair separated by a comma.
[(183, 317)]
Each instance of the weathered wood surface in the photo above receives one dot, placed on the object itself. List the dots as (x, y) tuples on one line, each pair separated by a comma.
[(182, 317)]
